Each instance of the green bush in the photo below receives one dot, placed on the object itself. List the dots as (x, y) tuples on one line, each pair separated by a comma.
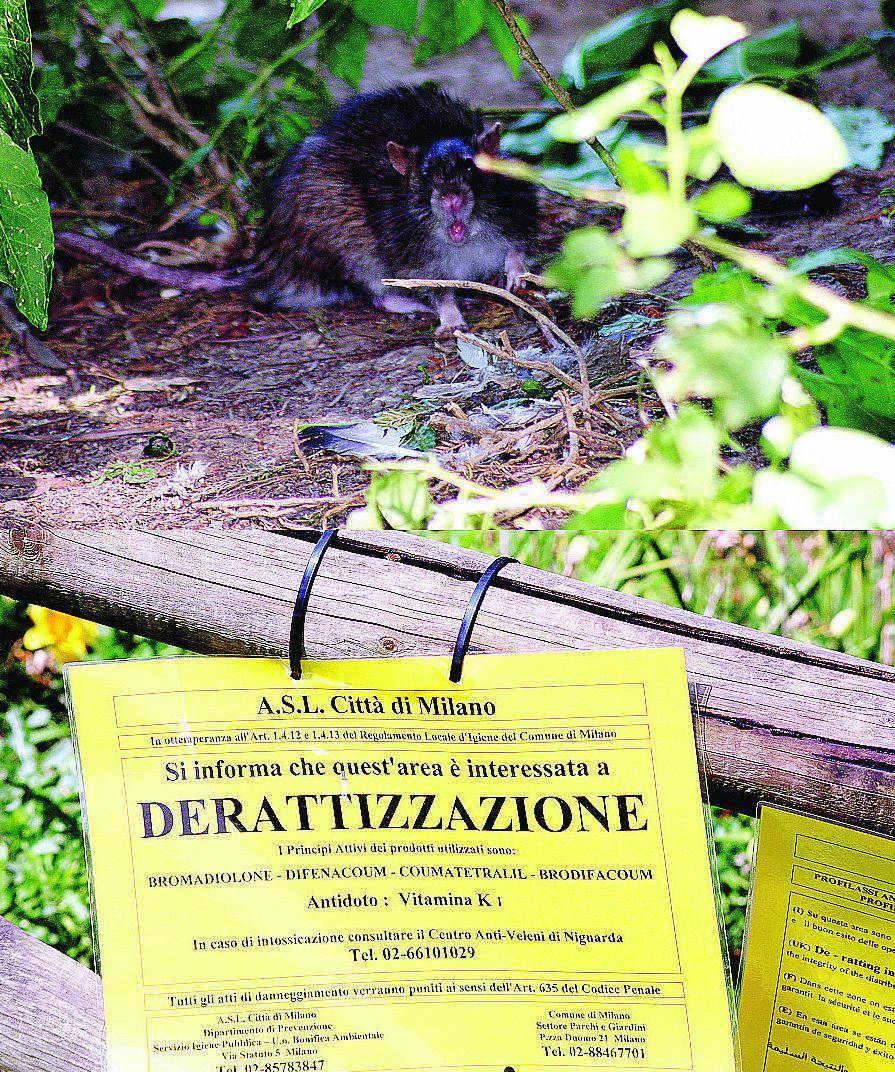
[(760, 351), (43, 878)]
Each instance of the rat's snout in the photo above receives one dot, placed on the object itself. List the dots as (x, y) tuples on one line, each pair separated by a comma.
[(454, 203), (454, 206)]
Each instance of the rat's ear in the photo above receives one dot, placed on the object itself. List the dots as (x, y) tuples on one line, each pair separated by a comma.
[(403, 159), (489, 140)]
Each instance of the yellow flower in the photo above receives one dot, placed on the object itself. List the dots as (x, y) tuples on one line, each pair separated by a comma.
[(67, 638)]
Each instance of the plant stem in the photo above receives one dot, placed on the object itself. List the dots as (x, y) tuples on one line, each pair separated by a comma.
[(840, 310), (556, 88), (477, 499), (809, 584), (804, 338), (677, 149)]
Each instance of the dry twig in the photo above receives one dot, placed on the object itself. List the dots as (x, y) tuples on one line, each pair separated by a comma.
[(265, 504), (501, 292), (571, 428), (505, 350), (34, 347)]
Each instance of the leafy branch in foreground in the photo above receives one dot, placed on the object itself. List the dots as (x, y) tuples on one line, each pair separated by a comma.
[(740, 342)]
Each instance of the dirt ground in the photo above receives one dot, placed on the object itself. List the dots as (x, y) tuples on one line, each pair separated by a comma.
[(229, 385)]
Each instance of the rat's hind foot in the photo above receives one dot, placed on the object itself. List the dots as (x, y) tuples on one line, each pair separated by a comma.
[(400, 303), (449, 316)]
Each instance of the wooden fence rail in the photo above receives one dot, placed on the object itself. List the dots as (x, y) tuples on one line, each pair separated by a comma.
[(51, 1008), (780, 721)]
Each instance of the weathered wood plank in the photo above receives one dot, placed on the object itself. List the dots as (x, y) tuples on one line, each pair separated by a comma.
[(51, 1010), (786, 722)]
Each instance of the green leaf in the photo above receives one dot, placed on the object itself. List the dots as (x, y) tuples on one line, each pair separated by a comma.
[(589, 269), (853, 52), (257, 39), (503, 40), (776, 53), (865, 131), (636, 175), (856, 381), (773, 141), (53, 91), (880, 278), (703, 158), (26, 233), (843, 409), (601, 113), (19, 108), (700, 37), (677, 460), (60, 18), (727, 284), (343, 48), (399, 14), (592, 269), (607, 516), (836, 458), (798, 414), (402, 499), (618, 45), (656, 223), (448, 24), (301, 9), (828, 258), (800, 503), (422, 437), (147, 9), (527, 136), (717, 354), (723, 202)]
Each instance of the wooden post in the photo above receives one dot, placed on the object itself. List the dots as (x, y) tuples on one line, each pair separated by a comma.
[(51, 1008), (780, 721)]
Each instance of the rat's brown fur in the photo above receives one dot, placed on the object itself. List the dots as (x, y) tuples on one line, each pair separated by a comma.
[(363, 198)]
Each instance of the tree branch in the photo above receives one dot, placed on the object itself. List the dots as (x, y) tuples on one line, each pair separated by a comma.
[(556, 88)]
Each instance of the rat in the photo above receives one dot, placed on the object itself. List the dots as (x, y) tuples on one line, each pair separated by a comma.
[(386, 187)]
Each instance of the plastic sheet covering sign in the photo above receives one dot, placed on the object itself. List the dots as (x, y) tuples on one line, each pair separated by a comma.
[(818, 989), (375, 869)]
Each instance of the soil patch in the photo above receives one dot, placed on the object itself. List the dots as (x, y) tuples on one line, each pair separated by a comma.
[(229, 386)]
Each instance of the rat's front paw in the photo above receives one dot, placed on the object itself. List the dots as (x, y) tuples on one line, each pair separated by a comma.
[(447, 327), (449, 316), (515, 269)]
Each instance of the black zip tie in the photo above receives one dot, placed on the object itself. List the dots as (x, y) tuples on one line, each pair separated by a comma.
[(472, 612), (300, 611)]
